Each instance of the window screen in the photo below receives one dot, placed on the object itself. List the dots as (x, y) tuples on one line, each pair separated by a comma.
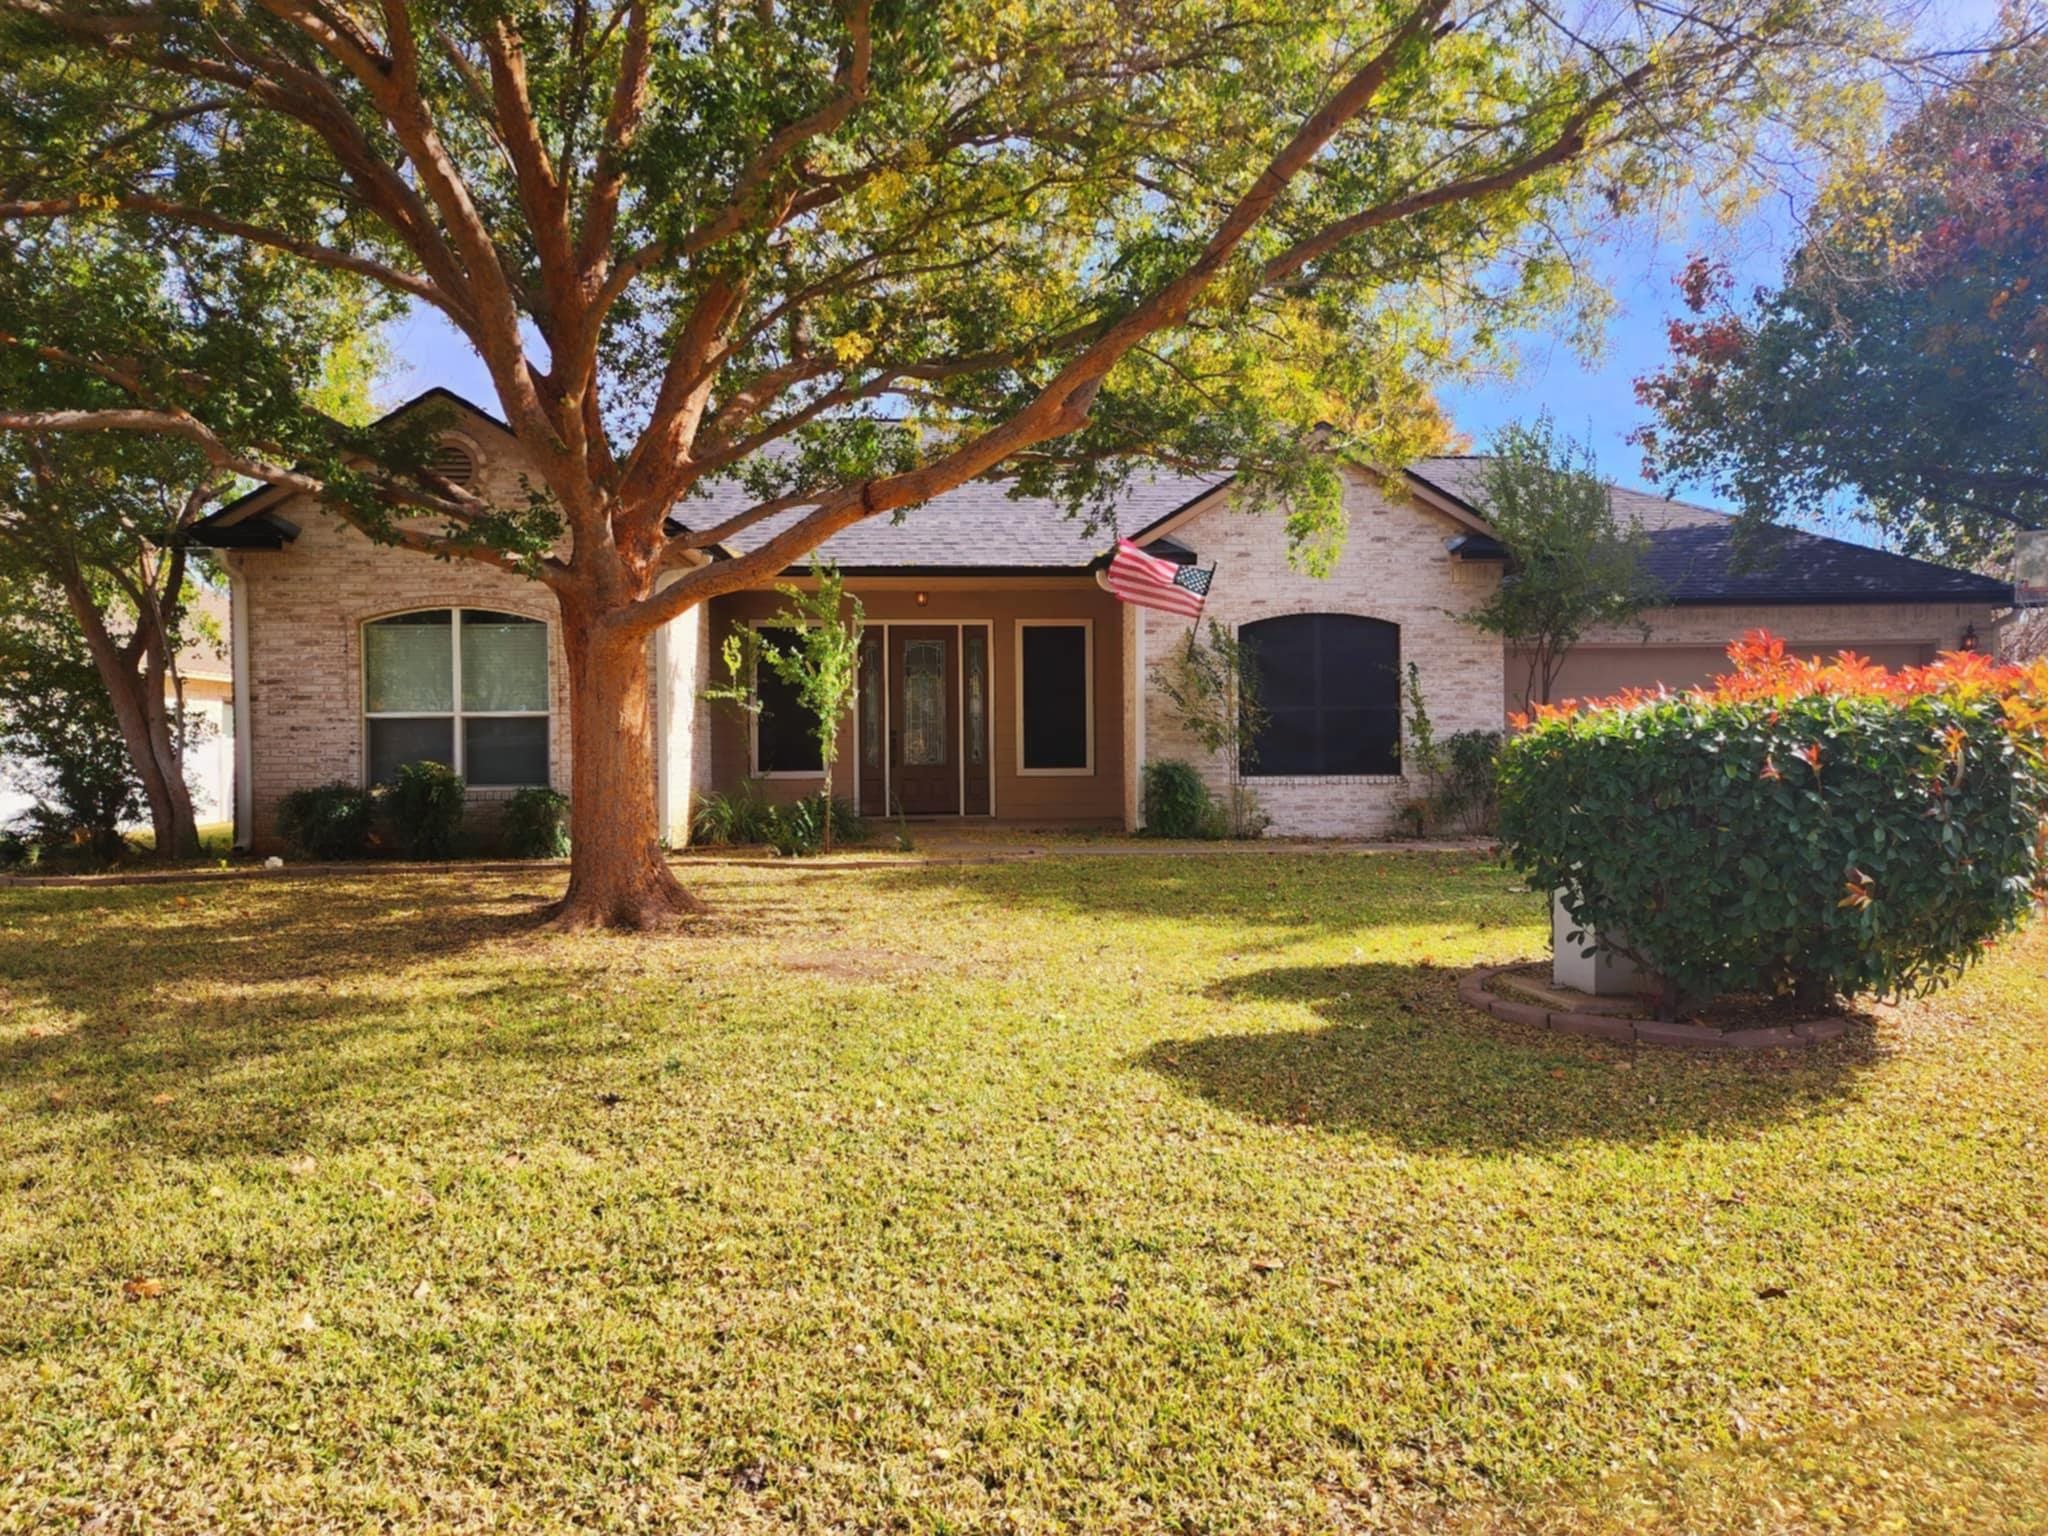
[(1330, 684), (1053, 660), (786, 734), (460, 686)]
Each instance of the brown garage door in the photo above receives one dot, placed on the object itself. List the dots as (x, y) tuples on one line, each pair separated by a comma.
[(1594, 671)]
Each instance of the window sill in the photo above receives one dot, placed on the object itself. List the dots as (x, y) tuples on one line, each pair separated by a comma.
[(1306, 780)]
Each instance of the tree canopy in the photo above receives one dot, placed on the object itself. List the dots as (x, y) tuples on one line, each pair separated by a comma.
[(1901, 366)]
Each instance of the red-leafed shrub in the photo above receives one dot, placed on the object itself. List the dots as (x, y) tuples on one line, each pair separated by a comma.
[(1821, 827)]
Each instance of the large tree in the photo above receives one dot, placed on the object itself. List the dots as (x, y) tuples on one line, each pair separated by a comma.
[(97, 522), (910, 243), (1899, 371)]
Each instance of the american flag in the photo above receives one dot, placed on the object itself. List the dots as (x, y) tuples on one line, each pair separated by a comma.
[(1150, 582)]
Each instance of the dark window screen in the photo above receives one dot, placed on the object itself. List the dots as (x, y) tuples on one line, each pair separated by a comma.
[(1055, 684), (505, 750), (788, 733), (1331, 687), (394, 743)]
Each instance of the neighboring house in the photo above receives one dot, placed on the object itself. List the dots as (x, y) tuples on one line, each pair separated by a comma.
[(207, 673), (1000, 680), (206, 669)]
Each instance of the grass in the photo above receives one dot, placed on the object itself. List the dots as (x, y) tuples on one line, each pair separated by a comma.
[(1152, 1194)]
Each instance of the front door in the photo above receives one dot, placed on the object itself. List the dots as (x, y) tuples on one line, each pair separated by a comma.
[(923, 733)]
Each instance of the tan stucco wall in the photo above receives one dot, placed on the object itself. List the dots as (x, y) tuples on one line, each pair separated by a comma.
[(1687, 646), (1097, 796), (1394, 567)]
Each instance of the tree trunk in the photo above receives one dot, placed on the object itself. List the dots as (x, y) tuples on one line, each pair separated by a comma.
[(618, 876), (145, 727)]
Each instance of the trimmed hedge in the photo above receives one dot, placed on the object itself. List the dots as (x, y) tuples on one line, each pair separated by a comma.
[(426, 808), (327, 821), (537, 824), (1819, 828)]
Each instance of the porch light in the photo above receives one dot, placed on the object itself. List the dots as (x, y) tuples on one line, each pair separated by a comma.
[(1969, 637), (923, 598)]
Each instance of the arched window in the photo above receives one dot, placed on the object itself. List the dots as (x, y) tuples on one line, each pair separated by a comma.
[(1330, 684), (461, 686)]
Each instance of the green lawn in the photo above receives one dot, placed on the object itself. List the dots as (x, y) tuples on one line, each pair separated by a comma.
[(1163, 1194)]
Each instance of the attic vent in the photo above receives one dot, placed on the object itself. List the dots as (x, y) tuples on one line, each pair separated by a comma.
[(453, 462)]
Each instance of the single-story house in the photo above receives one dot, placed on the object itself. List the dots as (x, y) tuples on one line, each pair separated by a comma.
[(1002, 682)]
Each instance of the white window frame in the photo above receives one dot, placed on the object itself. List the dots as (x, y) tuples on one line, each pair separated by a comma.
[(1087, 628), (456, 715)]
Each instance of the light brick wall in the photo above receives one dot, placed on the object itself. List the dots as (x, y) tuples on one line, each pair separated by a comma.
[(1394, 567), (307, 603)]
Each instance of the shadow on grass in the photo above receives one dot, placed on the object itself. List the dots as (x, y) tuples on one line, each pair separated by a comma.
[(265, 1020), (1400, 1057), (1272, 894)]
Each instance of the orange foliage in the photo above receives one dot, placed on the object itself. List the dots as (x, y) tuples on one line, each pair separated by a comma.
[(1765, 670)]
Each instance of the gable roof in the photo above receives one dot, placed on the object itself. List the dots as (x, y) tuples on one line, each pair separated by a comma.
[(1695, 557), (247, 522), (981, 529)]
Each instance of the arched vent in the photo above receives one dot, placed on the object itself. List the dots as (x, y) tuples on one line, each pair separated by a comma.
[(454, 462)]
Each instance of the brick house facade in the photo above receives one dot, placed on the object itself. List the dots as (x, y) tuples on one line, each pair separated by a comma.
[(1002, 681)]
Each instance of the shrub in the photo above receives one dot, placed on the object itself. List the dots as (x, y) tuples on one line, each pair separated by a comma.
[(327, 821), (1467, 789), (1820, 828), (537, 824), (745, 819), (740, 818), (426, 809), (1178, 803)]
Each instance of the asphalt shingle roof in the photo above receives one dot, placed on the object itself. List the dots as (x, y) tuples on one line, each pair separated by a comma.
[(978, 526), (1695, 557)]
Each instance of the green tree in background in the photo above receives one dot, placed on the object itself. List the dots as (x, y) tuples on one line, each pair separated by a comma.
[(58, 734), (901, 245), (97, 522), (1900, 368), (1572, 565)]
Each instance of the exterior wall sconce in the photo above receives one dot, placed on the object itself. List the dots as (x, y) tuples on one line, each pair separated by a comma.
[(1969, 642), (925, 597)]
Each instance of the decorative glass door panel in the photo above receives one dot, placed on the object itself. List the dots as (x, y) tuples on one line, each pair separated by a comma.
[(924, 703), (974, 721), (924, 751)]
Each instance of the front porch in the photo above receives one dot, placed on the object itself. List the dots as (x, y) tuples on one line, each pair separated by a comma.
[(981, 700)]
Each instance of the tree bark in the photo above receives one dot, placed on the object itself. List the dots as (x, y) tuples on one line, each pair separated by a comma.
[(618, 875), (129, 675)]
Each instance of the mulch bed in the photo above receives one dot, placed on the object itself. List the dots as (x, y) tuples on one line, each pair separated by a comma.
[(1525, 994)]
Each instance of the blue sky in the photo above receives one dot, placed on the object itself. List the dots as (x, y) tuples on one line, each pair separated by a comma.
[(1592, 398)]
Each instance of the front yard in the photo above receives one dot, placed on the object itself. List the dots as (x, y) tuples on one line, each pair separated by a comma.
[(1100, 1193)]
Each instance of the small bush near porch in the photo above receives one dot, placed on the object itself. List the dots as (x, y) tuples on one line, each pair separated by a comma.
[(1114, 1193)]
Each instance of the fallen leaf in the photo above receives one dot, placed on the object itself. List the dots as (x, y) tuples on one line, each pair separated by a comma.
[(141, 1289), (307, 1324), (1770, 1292), (304, 1167), (1267, 1266), (161, 1098), (423, 1290)]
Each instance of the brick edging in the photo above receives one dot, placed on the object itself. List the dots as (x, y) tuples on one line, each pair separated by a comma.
[(1619, 1029)]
